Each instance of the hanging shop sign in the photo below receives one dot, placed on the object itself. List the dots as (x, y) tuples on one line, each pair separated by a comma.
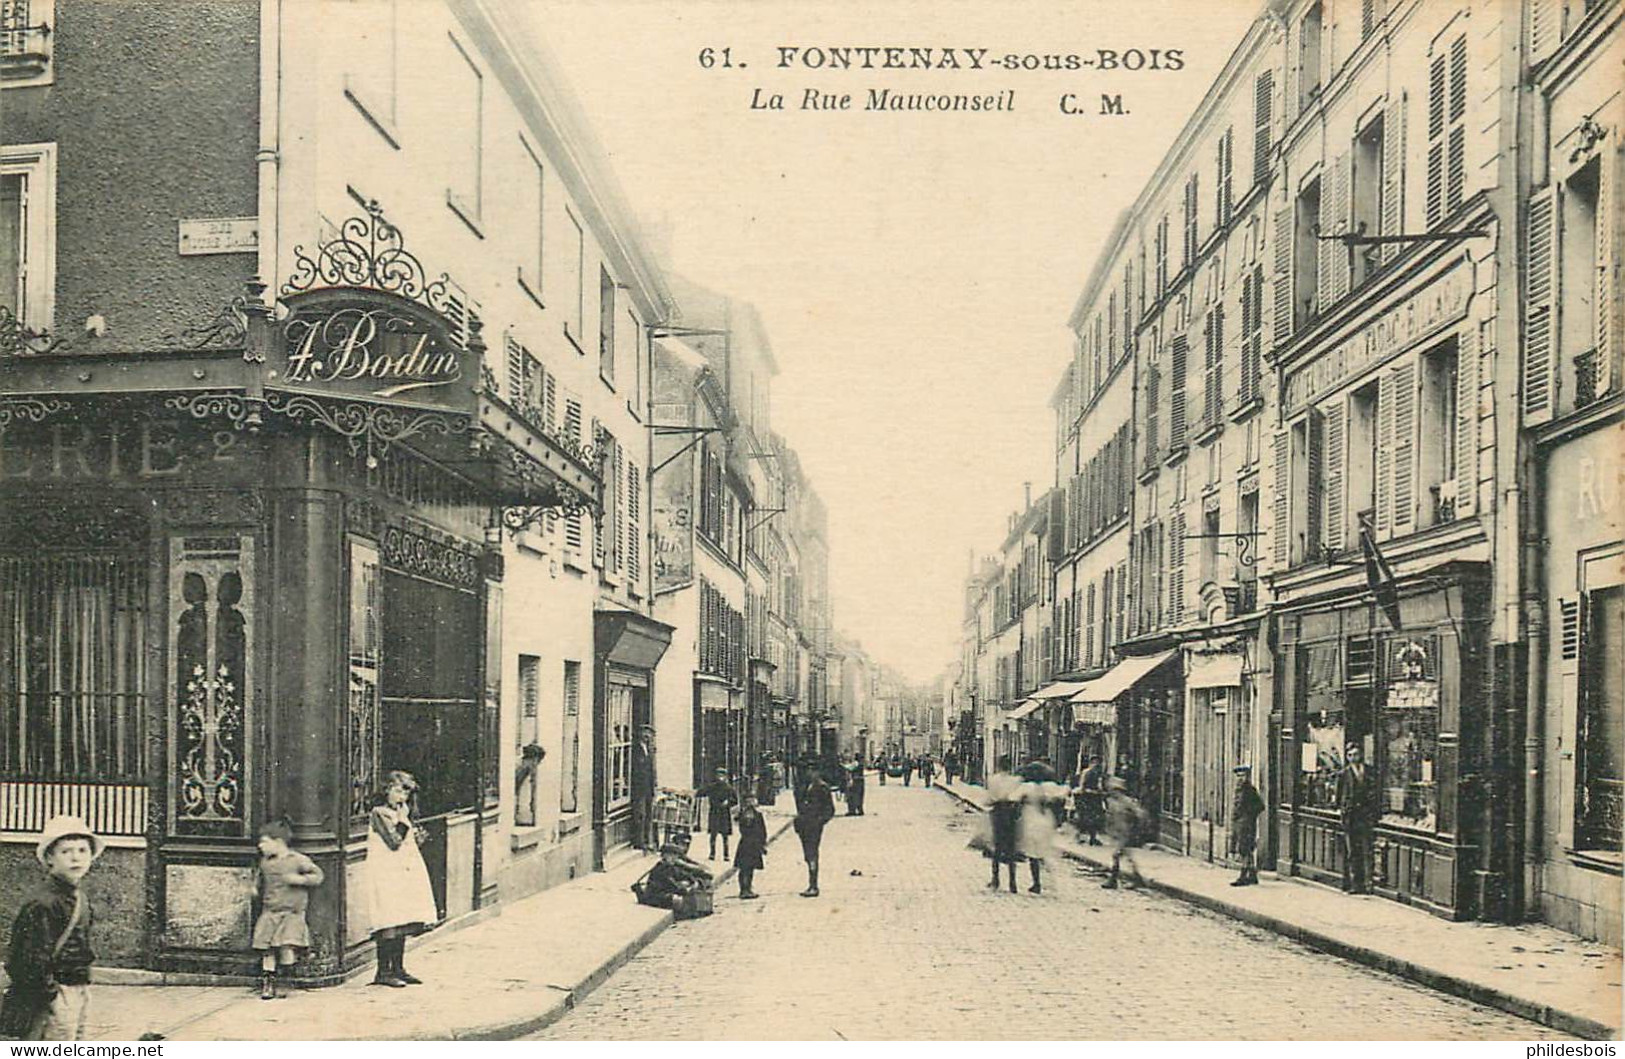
[(1423, 314), (354, 342)]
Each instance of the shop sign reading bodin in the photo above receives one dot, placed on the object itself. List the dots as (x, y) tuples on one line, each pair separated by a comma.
[(357, 343)]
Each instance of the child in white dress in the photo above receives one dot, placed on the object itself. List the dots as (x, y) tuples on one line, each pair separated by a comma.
[(400, 900)]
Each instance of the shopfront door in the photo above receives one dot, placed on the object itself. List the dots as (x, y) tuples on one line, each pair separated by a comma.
[(430, 720)]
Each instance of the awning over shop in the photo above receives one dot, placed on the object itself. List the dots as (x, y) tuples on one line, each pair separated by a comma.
[(1102, 713), (1121, 677), (1023, 709), (1214, 671), (1061, 689)]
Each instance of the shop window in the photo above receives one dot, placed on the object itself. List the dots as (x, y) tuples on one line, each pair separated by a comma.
[(570, 742), (1366, 197), (1600, 775), (1438, 435), (1306, 255), (1323, 728), (365, 648), (1408, 742), (27, 234), (73, 657), (526, 777), (463, 139)]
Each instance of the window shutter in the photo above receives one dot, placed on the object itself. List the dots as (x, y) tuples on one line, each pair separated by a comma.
[(1283, 275), (1153, 397), (1278, 502), (1545, 28), (1291, 102), (1569, 631), (1314, 532), (1404, 448), (1436, 131), (1213, 385), (1263, 107), (1608, 307), (572, 431), (1242, 394), (1385, 455), (516, 370), (602, 516), (1176, 568), (634, 522), (1176, 393), (1089, 628), (1227, 151), (1137, 576), (1330, 222), (1106, 615), (1334, 455), (1393, 174), (1540, 329), (1122, 602), (1467, 363), (1342, 255)]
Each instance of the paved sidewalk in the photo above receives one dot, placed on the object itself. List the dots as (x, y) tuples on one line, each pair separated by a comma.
[(1531, 970), (510, 974)]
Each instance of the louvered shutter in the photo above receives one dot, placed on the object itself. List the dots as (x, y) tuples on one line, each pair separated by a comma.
[(1540, 306), (1437, 78), (1291, 101), (1153, 399), (634, 522), (1106, 585), (1608, 293), (516, 370), (1283, 275), (1213, 392), (1242, 393), (1280, 531), (1385, 455), (1456, 143), (1404, 448), (1122, 602), (1326, 250), (1180, 358), (1467, 363), (1137, 576), (603, 514), (1334, 454), (1089, 628), (1393, 174), (572, 431), (1545, 28), (1263, 108), (1342, 213), (1314, 486), (1176, 568)]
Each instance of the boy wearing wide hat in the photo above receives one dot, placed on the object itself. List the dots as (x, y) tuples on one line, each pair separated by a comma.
[(50, 955)]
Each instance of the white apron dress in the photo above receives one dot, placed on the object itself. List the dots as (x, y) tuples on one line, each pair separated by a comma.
[(395, 881)]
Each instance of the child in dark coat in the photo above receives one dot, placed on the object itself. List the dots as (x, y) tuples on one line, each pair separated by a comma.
[(720, 801), (50, 955), (751, 854)]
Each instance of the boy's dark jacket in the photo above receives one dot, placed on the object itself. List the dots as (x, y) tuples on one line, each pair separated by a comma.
[(30, 964)]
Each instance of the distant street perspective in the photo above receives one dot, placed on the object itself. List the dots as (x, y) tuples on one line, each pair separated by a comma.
[(906, 941)]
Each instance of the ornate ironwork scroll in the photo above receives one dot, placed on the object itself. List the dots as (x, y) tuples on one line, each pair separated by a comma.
[(227, 330), (435, 557), (367, 252), (29, 409), (237, 409), (369, 428), (17, 339)]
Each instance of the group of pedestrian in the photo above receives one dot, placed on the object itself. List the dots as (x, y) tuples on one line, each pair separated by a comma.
[(1021, 819), (50, 954)]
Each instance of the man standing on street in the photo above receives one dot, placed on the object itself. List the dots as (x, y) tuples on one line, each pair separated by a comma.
[(855, 786), (1245, 809), (814, 808), (1356, 799)]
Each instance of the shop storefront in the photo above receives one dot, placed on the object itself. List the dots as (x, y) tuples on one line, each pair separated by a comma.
[(1145, 700), (1223, 732), (1412, 699), (245, 578), (627, 647)]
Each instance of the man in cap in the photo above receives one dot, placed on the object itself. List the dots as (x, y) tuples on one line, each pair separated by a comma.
[(815, 807), (676, 876), (50, 954), (1245, 808), (1356, 799)]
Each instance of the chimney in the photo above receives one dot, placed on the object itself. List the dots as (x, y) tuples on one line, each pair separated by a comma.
[(1027, 492)]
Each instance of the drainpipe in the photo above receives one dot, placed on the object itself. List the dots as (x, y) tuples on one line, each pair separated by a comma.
[(1535, 639), (268, 157)]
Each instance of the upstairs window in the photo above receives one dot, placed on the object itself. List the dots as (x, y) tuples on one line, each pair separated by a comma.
[(1192, 223), (534, 203), (606, 326), (1309, 33), (370, 62), (1263, 116), (1162, 255), (1226, 160), (576, 294), (463, 134), (1437, 437), (25, 41), (1368, 187), (1447, 131), (1306, 255), (28, 233)]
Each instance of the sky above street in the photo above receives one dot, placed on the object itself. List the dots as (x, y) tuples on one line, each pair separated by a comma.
[(914, 270)]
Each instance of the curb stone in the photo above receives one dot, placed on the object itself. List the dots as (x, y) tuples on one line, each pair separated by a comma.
[(1476, 992)]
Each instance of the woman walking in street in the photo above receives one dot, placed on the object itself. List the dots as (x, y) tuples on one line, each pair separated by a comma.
[(1036, 840), (399, 898)]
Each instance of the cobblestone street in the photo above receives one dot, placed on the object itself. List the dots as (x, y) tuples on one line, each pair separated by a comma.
[(916, 947)]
